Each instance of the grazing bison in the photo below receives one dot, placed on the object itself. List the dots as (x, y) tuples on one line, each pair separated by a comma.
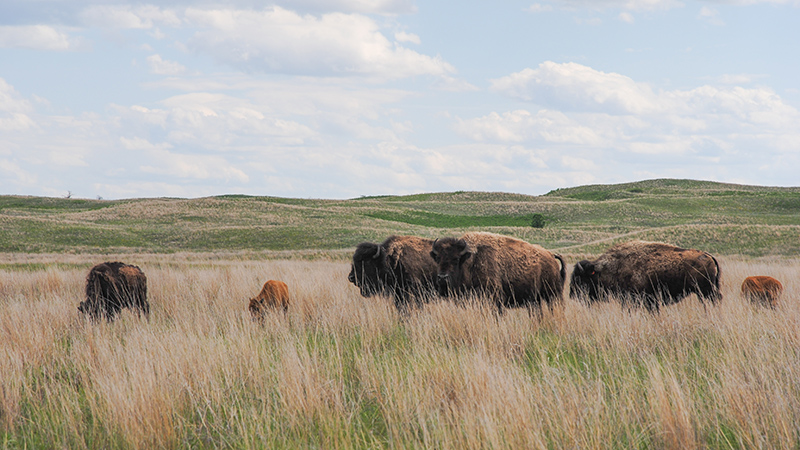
[(650, 273), (512, 272), (111, 286), (274, 295), (762, 290), (401, 267)]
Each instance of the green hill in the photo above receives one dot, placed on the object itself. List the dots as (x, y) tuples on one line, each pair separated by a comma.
[(722, 218)]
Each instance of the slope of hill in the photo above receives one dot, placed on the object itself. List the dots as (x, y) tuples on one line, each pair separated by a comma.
[(722, 218)]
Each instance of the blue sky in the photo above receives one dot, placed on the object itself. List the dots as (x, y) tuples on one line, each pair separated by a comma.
[(343, 98)]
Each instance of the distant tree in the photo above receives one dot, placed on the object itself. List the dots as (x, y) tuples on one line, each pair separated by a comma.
[(537, 221)]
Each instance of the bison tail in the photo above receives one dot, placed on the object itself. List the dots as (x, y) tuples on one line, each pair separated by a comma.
[(717, 293), (563, 273)]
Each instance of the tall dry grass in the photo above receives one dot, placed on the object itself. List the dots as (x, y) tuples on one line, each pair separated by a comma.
[(341, 371)]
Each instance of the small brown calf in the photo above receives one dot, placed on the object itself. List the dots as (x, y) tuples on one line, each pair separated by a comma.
[(762, 289), (274, 295)]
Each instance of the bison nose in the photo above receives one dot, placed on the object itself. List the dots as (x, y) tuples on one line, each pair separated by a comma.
[(351, 278), (443, 276)]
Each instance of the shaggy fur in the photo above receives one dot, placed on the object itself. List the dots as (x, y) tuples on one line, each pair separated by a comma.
[(649, 273), (762, 290), (400, 267), (274, 295), (111, 286), (511, 271)]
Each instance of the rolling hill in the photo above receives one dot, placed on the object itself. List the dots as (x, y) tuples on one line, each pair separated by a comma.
[(723, 218)]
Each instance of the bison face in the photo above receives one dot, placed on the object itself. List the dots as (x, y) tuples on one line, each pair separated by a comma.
[(369, 270), (585, 281), (449, 254)]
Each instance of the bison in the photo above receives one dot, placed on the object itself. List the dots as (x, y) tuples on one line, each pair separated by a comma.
[(111, 286), (650, 273), (512, 272), (274, 295), (400, 267), (762, 290)]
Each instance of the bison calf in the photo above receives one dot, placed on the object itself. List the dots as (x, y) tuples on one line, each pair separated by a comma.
[(274, 295), (512, 272), (650, 273), (111, 286), (400, 267), (762, 290)]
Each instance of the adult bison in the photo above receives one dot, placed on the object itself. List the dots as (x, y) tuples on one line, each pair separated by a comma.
[(762, 290), (650, 273), (400, 267), (512, 272), (111, 286), (274, 295)]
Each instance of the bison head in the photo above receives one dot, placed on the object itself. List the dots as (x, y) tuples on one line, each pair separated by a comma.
[(450, 254), (585, 280), (370, 271)]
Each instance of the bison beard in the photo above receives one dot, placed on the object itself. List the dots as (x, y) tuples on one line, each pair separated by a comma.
[(647, 273), (400, 267), (512, 272), (111, 286)]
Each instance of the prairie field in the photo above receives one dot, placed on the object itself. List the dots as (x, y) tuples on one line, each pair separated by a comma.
[(342, 371)]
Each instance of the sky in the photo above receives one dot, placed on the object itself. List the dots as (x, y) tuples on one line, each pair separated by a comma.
[(346, 98)]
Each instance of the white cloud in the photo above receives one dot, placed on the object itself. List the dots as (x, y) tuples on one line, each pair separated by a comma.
[(538, 8), (14, 110), (402, 36), (282, 41), (572, 86), (522, 126), (710, 15), (15, 174), (161, 160), (160, 66), (634, 5), (359, 6), (732, 126), (34, 37), (626, 17)]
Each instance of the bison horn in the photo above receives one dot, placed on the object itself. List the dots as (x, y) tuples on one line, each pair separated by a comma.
[(464, 247), (377, 253)]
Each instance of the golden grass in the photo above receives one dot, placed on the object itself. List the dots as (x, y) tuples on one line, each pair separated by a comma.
[(341, 371)]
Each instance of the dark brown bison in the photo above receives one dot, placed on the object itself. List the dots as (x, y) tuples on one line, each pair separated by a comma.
[(762, 290), (400, 267), (274, 295), (512, 272), (649, 273), (111, 286)]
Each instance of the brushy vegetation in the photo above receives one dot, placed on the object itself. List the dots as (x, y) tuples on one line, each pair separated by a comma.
[(341, 371), (721, 218)]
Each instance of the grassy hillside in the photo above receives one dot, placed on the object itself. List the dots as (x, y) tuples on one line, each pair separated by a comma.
[(722, 218)]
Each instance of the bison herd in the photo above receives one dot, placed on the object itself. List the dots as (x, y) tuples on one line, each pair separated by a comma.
[(510, 272)]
